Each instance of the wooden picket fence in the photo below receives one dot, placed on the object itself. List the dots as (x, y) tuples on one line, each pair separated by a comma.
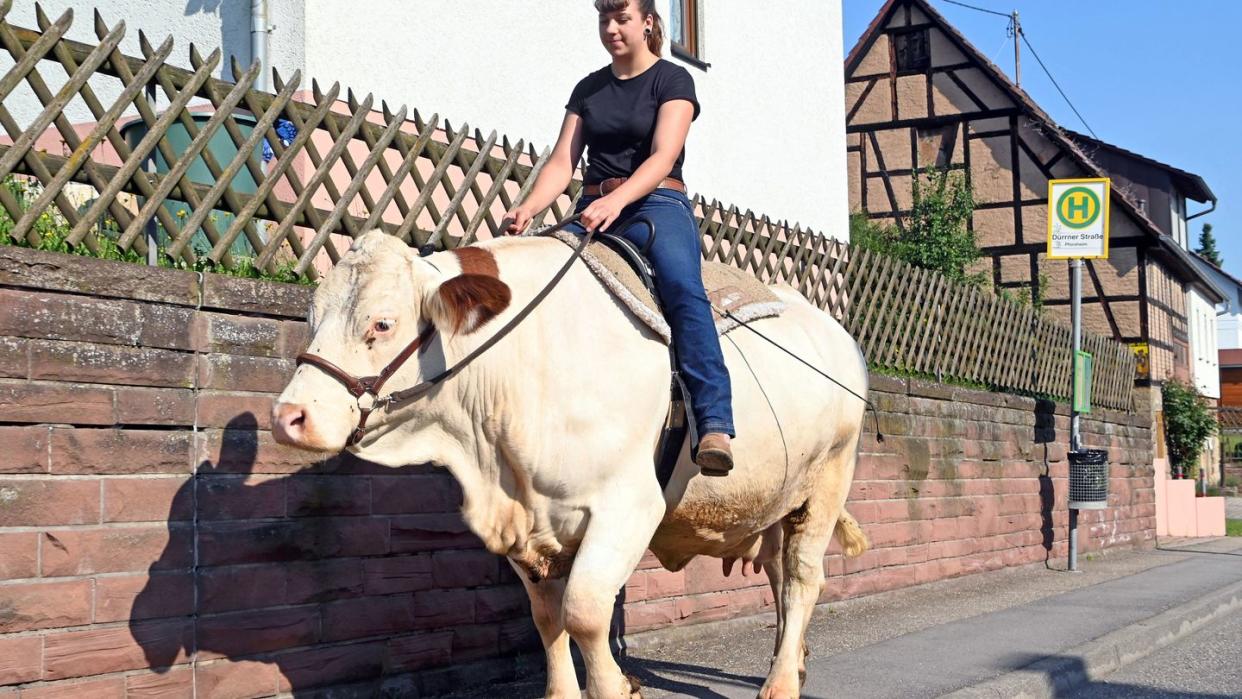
[(340, 166)]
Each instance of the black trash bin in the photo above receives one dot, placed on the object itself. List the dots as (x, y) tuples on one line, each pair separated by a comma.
[(1088, 479)]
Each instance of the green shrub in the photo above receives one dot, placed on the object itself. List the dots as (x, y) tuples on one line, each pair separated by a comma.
[(871, 235), (937, 235), (1188, 422)]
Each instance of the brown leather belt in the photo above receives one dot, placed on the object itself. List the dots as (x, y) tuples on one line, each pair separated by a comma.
[(608, 185)]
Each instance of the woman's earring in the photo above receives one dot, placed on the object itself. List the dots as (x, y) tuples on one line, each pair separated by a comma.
[(646, 32)]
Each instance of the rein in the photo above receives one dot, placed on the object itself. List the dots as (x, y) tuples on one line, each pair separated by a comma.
[(362, 387)]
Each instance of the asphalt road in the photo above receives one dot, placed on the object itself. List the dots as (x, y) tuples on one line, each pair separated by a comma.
[(1207, 663), (1029, 610)]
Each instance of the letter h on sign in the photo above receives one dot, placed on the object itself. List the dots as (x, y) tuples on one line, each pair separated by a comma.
[(1078, 208)]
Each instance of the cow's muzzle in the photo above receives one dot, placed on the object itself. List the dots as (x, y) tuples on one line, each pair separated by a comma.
[(294, 426)]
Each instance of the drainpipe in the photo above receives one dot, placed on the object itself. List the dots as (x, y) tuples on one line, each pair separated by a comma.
[(259, 29), (1208, 210)]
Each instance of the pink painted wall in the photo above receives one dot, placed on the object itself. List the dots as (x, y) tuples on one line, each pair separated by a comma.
[(1180, 513)]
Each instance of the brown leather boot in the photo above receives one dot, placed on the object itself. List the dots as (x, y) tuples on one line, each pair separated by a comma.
[(715, 455)]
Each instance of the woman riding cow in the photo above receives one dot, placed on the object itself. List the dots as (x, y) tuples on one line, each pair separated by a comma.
[(560, 480), (632, 117)]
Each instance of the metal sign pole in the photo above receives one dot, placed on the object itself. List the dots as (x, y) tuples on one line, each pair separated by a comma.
[(1078, 229), (1075, 443)]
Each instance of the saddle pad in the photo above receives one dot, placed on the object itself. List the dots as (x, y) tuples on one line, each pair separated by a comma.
[(728, 289)]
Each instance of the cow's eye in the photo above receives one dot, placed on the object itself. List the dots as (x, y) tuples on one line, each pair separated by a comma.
[(383, 325)]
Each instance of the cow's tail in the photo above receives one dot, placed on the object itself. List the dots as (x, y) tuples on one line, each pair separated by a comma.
[(853, 542)]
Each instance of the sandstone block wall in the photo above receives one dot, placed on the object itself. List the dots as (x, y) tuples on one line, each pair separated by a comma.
[(155, 541)]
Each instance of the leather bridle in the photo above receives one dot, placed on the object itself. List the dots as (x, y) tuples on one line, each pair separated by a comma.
[(362, 387)]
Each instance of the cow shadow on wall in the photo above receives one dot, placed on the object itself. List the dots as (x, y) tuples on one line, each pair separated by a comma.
[(339, 573)]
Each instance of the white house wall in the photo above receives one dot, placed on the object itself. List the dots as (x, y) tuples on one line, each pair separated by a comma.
[(771, 135), (208, 24), (1205, 362), (1229, 331), (1229, 313)]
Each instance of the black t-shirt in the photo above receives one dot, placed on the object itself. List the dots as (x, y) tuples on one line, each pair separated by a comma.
[(619, 116)]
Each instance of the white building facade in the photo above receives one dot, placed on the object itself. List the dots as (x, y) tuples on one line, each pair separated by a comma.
[(1205, 356), (771, 136), (1229, 313)]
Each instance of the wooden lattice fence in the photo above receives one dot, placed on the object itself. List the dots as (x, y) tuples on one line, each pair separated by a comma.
[(1230, 419), (338, 167)]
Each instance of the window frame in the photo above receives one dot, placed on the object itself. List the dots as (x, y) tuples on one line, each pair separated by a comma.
[(902, 32), (691, 50)]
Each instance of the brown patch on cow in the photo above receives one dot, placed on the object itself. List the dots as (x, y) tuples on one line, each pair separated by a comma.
[(477, 261), (471, 300), (541, 566), (729, 530), (798, 517)]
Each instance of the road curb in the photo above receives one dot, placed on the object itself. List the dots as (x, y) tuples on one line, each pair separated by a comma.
[(1053, 676)]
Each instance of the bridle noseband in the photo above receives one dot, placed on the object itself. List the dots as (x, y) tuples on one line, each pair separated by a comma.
[(360, 387)]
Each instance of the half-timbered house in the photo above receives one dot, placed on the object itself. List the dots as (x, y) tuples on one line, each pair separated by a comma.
[(918, 94)]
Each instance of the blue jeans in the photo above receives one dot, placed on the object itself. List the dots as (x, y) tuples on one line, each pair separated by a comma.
[(678, 263)]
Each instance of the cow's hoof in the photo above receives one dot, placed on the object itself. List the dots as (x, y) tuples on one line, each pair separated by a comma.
[(635, 687), (779, 690)]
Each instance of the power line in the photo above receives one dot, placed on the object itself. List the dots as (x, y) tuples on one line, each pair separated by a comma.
[(980, 9), (1015, 28), (1054, 83)]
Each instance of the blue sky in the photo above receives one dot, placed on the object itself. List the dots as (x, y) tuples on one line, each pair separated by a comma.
[(1157, 77)]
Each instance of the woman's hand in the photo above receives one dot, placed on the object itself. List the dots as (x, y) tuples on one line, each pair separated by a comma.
[(517, 218), (601, 213)]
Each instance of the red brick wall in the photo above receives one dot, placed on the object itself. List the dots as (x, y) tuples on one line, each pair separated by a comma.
[(154, 539), (957, 486)]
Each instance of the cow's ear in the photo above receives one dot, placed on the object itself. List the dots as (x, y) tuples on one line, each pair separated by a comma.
[(464, 303)]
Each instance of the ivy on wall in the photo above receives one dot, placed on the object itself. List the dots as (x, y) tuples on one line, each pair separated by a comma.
[(936, 234)]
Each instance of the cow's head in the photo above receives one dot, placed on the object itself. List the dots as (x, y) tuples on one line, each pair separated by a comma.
[(367, 309)]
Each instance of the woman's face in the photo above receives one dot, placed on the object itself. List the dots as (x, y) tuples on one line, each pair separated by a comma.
[(624, 32)]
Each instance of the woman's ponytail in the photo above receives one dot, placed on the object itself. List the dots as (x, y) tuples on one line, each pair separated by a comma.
[(655, 39)]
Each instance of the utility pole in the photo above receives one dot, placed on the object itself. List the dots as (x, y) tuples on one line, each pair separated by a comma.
[(1015, 29)]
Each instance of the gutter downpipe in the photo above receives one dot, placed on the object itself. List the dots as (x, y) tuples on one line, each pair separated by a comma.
[(259, 29), (1208, 210)]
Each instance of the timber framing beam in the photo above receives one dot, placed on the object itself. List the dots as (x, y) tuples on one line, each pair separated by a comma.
[(931, 122)]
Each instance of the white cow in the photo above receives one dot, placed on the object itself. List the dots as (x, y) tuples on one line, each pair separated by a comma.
[(551, 434)]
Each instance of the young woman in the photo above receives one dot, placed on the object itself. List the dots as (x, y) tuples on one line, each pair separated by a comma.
[(632, 117)]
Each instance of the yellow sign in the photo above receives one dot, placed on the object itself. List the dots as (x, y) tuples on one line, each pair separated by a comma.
[(1142, 359), (1078, 218)]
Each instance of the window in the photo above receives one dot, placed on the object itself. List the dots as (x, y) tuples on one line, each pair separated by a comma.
[(913, 50), (683, 28)]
